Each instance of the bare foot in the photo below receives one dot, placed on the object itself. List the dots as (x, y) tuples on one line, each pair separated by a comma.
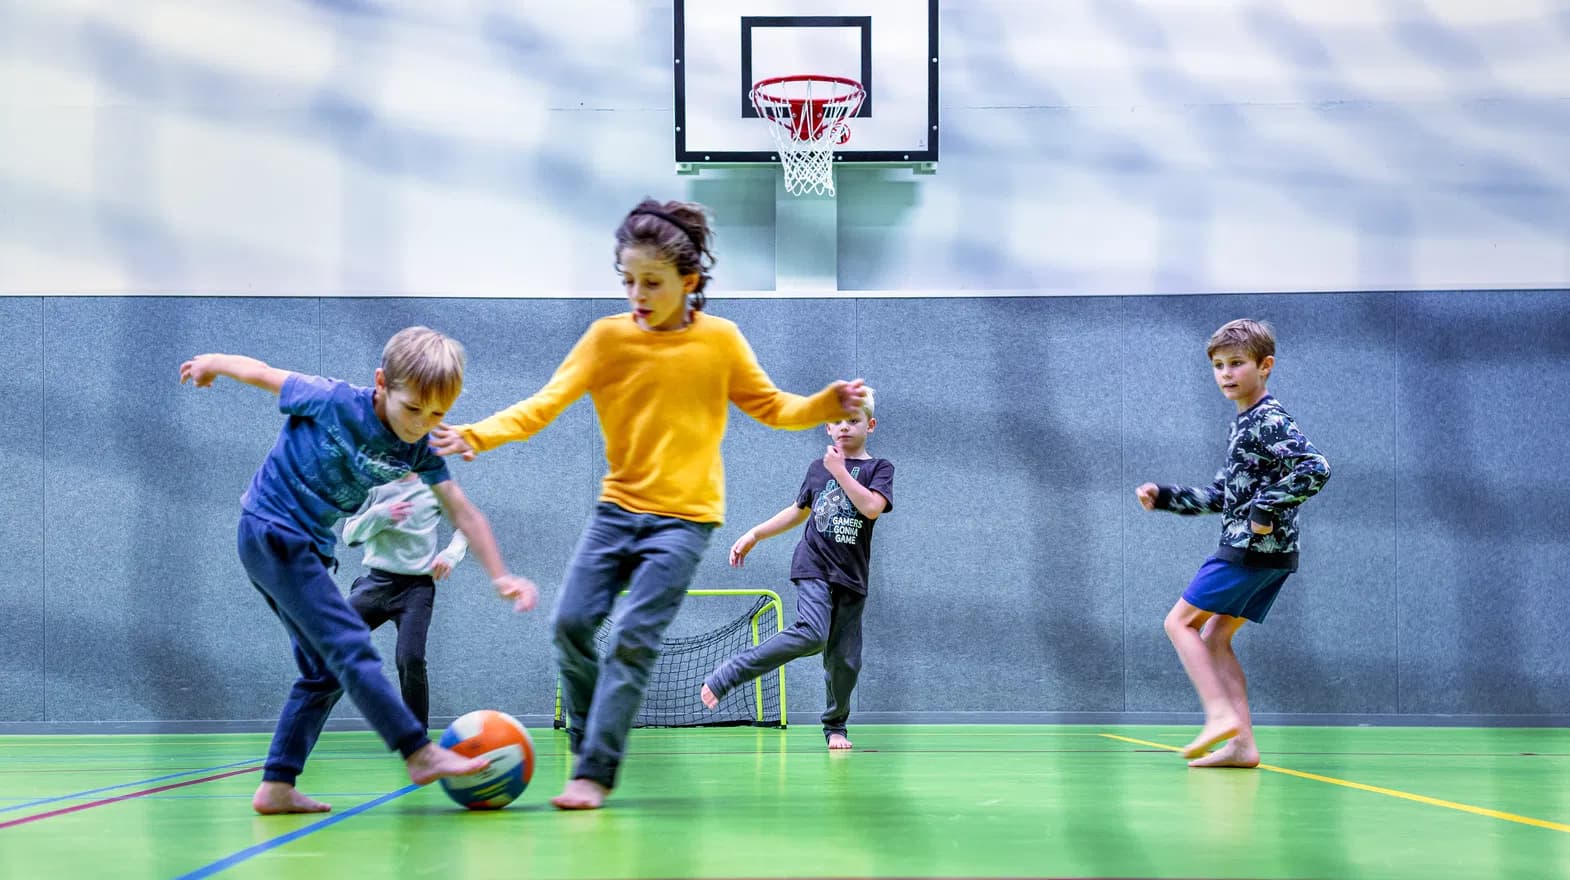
[(1212, 733), (432, 762), (708, 698), (1230, 755), (581, 794), (837, 741), (278, 798)]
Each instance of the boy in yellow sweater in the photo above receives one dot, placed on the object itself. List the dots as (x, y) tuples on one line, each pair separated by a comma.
[(661, 377)]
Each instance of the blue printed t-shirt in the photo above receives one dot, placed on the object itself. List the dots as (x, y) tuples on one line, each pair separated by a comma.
[(331, 452), (836, 544)]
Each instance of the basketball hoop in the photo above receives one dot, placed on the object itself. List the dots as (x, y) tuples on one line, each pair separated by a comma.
[(808, 114)]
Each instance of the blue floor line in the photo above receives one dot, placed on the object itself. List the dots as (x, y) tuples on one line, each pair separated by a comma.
[(228, 862)]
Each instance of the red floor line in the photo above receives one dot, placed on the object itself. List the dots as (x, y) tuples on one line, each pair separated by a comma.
[(135, 794)]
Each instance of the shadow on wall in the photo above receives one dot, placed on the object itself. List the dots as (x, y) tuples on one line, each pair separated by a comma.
[(1482, 142), (151, 88), (1479, 473), (1453, 151)]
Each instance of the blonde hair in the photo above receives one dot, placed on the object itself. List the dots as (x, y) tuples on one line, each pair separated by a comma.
[(867, 404), (427, 363), (1257, 339)]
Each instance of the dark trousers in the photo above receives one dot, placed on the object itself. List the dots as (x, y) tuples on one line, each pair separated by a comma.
[(406, 600), (332, 648), (828, 621), (654, 558)]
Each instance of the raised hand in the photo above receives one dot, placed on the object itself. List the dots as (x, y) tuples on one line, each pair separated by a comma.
[(834, 460), (852, 395)]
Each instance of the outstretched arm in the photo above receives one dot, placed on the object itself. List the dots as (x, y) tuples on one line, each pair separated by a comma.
[(755, 394), (784, 521), (526, 417), (1186, 500), (468, 519), (204, 368)]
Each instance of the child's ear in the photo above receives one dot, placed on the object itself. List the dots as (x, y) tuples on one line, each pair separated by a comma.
[(1268, 364), (690, 282), (871, 423), (381, 380)]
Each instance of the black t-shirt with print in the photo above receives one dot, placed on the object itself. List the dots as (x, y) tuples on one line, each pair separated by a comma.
[(836, 544)]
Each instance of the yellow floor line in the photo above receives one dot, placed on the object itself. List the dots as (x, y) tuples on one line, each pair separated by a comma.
[(1422, 799)]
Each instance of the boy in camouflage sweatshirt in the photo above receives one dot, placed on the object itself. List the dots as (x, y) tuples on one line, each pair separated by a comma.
[(1271, 468)]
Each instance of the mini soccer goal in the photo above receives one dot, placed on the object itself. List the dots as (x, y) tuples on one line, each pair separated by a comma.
[(713, 626)]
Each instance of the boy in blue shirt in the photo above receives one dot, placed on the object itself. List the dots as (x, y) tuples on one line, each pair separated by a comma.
[(843, 495), (1271, 469), (340, 441)]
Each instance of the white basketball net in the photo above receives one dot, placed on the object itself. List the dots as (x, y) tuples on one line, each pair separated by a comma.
[(806, 116)]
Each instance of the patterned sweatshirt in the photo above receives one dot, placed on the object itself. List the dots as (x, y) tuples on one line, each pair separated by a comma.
[(1271, 468)]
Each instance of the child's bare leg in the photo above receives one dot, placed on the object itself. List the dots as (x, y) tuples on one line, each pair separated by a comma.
[(277, 798), (1241, 750), (581, 794), (432, 762), (1221, 721), (838, 741)]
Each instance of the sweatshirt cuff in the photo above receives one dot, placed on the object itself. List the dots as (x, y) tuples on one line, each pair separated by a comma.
[(1163, 498), (471, 438), (828, 401)]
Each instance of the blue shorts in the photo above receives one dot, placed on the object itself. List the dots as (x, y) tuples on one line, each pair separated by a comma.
[(1235, 590)]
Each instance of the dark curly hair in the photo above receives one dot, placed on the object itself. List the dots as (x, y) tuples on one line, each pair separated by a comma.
[(678, 232)]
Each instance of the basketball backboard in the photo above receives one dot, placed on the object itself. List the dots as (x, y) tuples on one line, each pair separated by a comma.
[(724, 47)]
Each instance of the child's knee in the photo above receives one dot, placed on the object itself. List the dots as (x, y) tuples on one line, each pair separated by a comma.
[(1184, 616), (814, 639), (346, 656), (634, 650), (572, 627), (844, 665), (1217, 643)]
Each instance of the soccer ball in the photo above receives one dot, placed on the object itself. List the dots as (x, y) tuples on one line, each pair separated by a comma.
[(498, 736)]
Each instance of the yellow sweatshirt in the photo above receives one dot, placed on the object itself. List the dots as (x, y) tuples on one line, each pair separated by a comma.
[(662, 400)]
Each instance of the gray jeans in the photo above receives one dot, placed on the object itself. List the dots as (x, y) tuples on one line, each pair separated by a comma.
[(654, 559), (828, 620)]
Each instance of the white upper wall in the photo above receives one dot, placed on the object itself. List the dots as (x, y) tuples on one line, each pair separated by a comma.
[(481, 148)]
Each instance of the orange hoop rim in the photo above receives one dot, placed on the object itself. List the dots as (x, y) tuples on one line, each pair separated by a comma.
[(854, 92)]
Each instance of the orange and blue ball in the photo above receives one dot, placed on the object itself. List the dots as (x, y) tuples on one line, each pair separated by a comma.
[(502, 739)]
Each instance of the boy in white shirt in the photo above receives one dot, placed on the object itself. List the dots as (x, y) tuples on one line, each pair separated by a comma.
[(397, 525)]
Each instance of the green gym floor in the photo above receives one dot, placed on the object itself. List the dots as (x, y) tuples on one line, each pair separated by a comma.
[(910, 801)]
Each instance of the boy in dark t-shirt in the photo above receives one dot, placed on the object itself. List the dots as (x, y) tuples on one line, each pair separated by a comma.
[(843, 495)]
